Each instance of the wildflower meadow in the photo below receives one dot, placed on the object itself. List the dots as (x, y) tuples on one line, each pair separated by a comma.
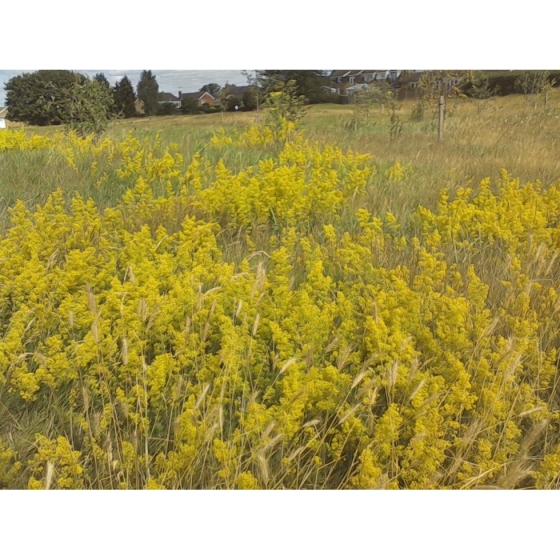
[(306, 306)]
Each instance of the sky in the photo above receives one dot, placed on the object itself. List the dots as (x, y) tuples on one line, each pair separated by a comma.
[(217, 49), (171, 81)]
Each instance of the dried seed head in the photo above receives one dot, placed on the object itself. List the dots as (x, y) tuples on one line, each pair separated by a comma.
[(49, 475), (256, 325), (125, 351)]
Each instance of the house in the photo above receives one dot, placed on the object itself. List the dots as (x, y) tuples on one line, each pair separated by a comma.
[(164, 97), (237, 91), (409, 82), (341, 80), (410, 79), (356, 88), (200, 97), (3, 114), (234, 92)]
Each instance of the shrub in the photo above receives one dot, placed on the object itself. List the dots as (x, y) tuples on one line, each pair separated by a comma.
[(166, 109)]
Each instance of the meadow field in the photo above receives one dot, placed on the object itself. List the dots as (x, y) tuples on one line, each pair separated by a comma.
[(205, 302)]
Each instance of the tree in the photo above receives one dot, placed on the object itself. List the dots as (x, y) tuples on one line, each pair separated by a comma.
[(284, 105), (102, 80), (363, 101), (249, 101), (124, 99), (87, 108), (213, 89), (230, 98), (147, 92), (231, 102), (535, 83), (307, 82), (437, 87), (166, 109), (189, 105), (38, 98), (104, 83), (479, 87)]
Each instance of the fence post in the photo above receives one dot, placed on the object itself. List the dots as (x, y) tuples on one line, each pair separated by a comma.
[(441, 116)]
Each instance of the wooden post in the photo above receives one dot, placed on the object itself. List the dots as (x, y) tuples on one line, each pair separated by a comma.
[(441, 116)]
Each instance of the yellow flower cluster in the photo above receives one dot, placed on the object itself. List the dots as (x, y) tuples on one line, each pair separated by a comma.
[(19, 140), (398, 172), (257, 135), (237, 332)]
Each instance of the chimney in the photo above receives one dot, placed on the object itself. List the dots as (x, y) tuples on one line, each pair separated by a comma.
[(180, 93)]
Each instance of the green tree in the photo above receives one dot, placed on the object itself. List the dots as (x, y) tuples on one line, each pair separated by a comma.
[(480, 88), (230, 98), (231, 102), (87, 108), (535, 83), (446, 83), (364, 100), (307, 83), (213, 89), (189, 105), (249, 100), (147, 92), (124, 99), (436, 88), (166, 109), (284, 105), (38, 98), (102, 80)]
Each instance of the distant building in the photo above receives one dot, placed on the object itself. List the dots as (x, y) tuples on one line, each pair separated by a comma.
[(410, 79), (405, 83), (200, 97), (3, 114), (236, 91), (341, 80), (164, 97)]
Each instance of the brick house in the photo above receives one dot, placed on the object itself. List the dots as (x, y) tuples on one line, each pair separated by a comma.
[(409, 83), (200, 97)]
